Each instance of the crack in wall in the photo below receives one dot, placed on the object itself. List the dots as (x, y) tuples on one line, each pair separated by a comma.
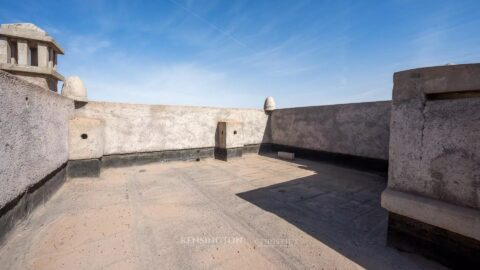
[(422, 130)]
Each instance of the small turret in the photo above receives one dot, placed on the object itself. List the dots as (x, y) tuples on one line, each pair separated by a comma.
[(30, 53)]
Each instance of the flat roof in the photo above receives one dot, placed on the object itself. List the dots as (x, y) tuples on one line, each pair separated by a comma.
[(254, 212)]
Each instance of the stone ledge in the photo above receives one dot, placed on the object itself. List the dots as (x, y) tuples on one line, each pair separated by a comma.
[(462, 220), (442, 79), (32, 70)]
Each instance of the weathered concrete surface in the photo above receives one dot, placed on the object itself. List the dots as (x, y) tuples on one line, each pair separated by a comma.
[(133, 128), (85, 138), (434, 144), (34, 134), (360, 129), (251, 213)]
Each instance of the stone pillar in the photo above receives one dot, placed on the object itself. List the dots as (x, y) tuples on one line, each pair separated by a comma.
[(42, 55), (22, 49), (4, 50)]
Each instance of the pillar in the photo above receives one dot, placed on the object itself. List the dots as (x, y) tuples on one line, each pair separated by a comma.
[(4, 50), (42, 51), (22, 48)]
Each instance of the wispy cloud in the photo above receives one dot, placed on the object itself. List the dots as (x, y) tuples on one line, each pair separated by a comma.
[(235, 53), (85, 45)]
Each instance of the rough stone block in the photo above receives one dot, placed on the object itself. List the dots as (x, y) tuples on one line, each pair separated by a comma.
[(86, 138)]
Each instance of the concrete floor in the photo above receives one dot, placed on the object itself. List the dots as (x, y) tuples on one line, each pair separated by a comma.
[(250, 213)]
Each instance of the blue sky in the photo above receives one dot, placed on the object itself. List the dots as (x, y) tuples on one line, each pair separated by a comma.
[(234, 53)]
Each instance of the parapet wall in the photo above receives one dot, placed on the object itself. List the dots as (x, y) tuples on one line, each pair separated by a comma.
[(130, 128), (360, 129), (433, 193), (34, 135)]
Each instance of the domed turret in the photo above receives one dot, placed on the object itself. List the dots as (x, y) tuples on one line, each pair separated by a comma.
[(74, 88), (269, 104)]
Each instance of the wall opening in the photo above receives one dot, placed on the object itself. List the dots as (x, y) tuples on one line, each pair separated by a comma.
[(84, 136), (33, 54), (13, 52)]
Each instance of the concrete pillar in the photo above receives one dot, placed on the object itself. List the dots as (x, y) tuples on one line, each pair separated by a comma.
[(22, 49), (42, 51), (4, 50)]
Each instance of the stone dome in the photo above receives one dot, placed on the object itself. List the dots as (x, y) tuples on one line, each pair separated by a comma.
[(74, 88), (269, 104)]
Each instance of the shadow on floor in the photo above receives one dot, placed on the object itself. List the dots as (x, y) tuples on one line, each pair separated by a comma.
[(338, 206)]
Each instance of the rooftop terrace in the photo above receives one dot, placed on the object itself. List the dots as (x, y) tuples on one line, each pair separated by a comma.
[(96, 185), (255, 212)]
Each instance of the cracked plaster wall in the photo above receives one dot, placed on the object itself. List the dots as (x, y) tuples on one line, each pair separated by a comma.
[(435, 144)]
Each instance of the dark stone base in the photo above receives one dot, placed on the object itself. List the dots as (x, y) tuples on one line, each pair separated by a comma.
[(160, 156), (229, 153), (92, 167), (257, 148), (35, 195), (84, 168), (356, 162), (449, 248)]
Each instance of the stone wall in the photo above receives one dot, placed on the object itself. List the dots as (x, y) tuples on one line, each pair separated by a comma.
[(34, 135), (130, 128), (360, 129), (434, 173), (434, 143)]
